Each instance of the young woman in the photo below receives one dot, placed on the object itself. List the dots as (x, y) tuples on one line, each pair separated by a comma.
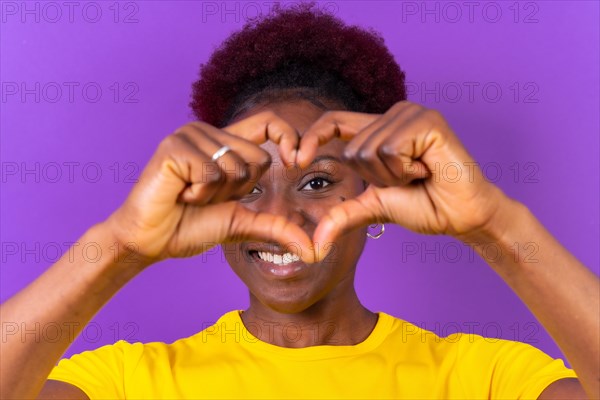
[(305, 137)]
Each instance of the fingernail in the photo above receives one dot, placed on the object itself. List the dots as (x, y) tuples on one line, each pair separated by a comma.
[(319, 251), (294, 156)]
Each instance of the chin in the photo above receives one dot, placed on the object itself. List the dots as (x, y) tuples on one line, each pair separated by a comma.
[(288, 300)]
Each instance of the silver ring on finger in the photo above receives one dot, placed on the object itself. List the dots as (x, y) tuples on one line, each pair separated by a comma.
[(220, 153)]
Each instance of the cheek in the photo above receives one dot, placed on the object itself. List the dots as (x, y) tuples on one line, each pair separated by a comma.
[(317, 209), (233, 254)]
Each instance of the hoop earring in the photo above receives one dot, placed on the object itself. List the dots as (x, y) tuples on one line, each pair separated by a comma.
[(378, 234)]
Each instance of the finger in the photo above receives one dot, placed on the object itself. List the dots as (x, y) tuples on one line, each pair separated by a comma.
[(230, 167), (405, 152), (380, 157), (247, 149), (351, 214), (248, 225), (344, 125), (404, 168), (362, 152), (204, 181), (206, 226), (408, 206), (254, 160), (265, 126), (182, 172), (400, 111), (365, 160)]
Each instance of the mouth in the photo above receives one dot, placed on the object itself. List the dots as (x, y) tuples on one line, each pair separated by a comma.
[(277, 259), (274, 262)]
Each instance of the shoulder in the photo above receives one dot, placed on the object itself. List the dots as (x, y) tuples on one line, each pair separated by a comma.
[(211, 336), (503, 368)]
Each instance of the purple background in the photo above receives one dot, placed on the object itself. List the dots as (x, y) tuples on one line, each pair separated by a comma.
[(540, 133)]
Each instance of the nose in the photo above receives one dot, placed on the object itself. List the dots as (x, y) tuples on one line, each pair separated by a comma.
[(288, 207), (284, 205)]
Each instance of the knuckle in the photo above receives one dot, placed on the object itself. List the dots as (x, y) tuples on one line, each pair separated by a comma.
[(432, 114), (191, 127), (400, 104), (197, 125), (414, 107), (365, 154), (328, 115), (269, 115), (405, 106), (171, 142), (386, 150), (348, 154)]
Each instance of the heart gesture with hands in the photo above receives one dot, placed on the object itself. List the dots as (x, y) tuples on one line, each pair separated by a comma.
[(185, 200), (421, 177)]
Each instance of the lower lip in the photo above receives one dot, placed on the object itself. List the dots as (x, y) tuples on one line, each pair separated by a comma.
[(281, 271)]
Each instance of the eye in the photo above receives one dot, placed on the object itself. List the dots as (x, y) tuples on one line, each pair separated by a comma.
[(251, 196), (316, 183)]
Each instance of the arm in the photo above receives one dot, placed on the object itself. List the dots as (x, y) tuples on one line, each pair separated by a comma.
[(401, 153), (555, 286), (67, 295), (181, 189)]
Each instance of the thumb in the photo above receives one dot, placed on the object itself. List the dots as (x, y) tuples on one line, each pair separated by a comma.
[(363, 210), (248, 225)]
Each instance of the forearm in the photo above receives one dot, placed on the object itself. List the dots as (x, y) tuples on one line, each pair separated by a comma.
[(561, 292), (67, 296)]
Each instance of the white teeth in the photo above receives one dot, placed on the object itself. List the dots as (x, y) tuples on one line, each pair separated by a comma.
[(278, 259)]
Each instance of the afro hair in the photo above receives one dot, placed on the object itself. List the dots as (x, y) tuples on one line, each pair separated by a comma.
[(303, 51)]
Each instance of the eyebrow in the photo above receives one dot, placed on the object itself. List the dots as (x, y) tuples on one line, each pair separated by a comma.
[(324, 157)]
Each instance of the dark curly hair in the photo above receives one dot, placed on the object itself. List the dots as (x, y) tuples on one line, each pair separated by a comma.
[(300, 52)]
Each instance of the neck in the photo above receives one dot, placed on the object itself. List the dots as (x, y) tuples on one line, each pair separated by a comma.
[(330, 321)]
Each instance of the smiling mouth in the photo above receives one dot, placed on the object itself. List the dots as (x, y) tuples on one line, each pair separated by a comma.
[(277, 259), (277, 264)]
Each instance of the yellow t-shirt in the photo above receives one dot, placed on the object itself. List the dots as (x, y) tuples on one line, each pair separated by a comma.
[(397, 360)]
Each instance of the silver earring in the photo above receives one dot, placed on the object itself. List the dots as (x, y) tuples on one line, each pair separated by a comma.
[(378, 234)]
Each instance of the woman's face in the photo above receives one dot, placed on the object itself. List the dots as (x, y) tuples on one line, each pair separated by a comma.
[(303, 197)]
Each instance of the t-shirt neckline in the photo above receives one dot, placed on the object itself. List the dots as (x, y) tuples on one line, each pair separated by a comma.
[(381, 330)]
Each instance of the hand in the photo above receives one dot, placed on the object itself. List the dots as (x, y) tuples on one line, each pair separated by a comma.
[(420, 175), (184, 202)]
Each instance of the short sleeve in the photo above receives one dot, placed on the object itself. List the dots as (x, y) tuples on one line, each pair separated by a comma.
[(99, 373), (509, 369)]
